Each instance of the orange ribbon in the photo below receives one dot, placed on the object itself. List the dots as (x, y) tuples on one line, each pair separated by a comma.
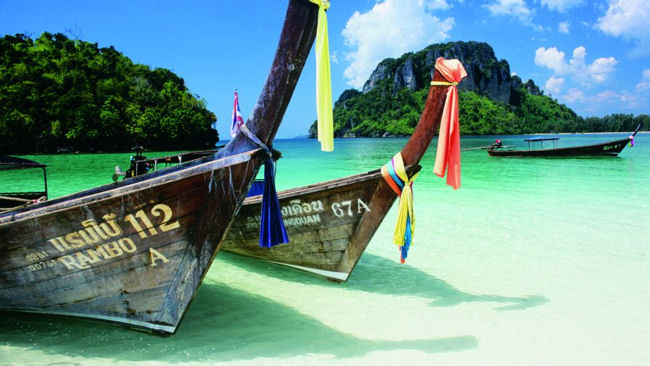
[(448, 153)]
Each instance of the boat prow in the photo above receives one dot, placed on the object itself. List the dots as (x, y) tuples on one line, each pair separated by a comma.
[(330, 224), (135, 252)]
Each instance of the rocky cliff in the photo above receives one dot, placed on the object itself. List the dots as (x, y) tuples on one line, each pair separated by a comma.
[(493, 100), (486, 75)]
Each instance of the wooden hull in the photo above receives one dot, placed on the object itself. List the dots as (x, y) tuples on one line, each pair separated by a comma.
[(329, 225), (132, 253), (135, 252), (612, 148)]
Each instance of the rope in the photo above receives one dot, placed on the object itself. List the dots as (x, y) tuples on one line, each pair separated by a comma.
[(254, 138)]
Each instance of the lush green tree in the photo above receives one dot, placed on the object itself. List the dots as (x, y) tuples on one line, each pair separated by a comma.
[(384, 111), (492, 100), (58, 93), (478, 115)]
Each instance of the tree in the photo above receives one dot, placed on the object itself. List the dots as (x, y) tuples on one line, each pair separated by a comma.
[(56, 92)]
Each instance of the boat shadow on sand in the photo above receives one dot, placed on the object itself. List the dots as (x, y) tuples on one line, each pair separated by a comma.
[(379, 275), (223, 324)]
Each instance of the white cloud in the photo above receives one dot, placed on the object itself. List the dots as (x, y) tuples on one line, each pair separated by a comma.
[(574, 95), (563, 27), (561, 5), (601, 68), (645, 81), (607, 98), (628, 19), (631, 101), (513, 8), (596, 72), (551, 58), (334, 57), (390, 29), (553, 84), (436, 5)]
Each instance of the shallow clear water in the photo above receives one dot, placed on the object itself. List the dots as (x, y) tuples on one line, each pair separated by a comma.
[(533, 261)]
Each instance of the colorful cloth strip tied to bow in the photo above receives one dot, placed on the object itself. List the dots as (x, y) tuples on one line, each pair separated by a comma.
[(395, 175), (272, 229), (448, 153), (323, 80)]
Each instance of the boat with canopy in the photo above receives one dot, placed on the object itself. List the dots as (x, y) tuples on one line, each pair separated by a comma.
[(609, 148), (12, 200)]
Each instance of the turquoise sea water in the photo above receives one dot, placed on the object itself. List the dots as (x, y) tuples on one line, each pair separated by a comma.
[(533, 261)]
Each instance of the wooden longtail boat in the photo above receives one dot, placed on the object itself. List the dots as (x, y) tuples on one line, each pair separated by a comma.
[(134, 252), (330, 224), (610, 148), (139, 163), (11, 200)]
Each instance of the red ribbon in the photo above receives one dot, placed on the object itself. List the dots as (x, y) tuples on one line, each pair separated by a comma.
[(448, 153)]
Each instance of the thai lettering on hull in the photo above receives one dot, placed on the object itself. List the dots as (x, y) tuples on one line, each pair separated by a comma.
[(104, 241), (298, 213)]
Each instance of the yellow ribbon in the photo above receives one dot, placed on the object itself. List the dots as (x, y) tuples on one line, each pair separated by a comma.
[(405, 209), (323, 80), (444, 83)]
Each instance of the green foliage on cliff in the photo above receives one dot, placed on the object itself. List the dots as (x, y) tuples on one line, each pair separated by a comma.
[(492, 101), (380, 113), (58, 93)]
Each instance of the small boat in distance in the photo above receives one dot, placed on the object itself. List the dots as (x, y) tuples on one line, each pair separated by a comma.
[(12, 200), (610, 148), (140, 164)]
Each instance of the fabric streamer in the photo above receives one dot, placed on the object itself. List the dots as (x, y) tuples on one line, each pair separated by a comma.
[(395, 175), (632, 141), (323, 80), (256, 188), (448, 153), (272, 229)]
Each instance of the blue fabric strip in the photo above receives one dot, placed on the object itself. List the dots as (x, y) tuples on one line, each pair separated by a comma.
[(407, 238), (256, 189), (272, 229), (396, 178)]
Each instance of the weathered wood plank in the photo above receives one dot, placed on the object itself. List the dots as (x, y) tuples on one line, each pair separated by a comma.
[(335, 242), (152, 238)]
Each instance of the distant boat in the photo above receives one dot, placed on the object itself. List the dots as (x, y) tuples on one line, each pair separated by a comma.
[(331, 223), (140, 164), (134, 252), (13, 200), (610, 148)]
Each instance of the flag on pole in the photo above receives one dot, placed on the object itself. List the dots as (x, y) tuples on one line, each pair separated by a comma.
[(237, 119)]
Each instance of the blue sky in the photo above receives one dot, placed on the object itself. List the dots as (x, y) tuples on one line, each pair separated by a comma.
[(593, 56)]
